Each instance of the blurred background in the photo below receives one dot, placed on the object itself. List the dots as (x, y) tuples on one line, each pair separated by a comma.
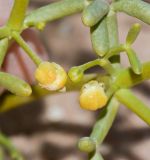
[(49, 128)]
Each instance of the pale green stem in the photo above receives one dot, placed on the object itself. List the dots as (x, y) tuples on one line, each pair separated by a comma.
[(5, 32), (115, 51), (11, 101), (104, 63), (1, 153), (35, 58), (126, 78), (127, 98), (3, 49), (96, 156), (5, 142), (17, 15), (104, 123)]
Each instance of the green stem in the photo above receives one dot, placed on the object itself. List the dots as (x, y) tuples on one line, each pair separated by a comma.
[(127, 98), (3, 49), (104, 63), (135, 8), (11, 101), (26, 48), (115, 51), (4, 32), (4, 141), (17, 15), (104, 123), (126, 78), (1, 154), (54, 11), (96, 156)]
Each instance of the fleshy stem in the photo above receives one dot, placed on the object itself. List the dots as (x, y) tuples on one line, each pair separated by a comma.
[(4, 32), (102, 126), (126, 97), (36, 59), (17, 15), (11, 101), (3, 49), (4, 141), (104, 63), (108, 115), (126, 78), (95, 156), (1, 154), (105, 121)]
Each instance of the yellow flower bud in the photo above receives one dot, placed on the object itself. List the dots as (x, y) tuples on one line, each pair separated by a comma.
[(93, 96), (51, 76)]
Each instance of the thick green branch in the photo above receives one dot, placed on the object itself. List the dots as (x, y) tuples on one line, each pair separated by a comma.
[(105, 121), (10, 101), (127, 98), (3, 49), (126, 78), (17, 14)]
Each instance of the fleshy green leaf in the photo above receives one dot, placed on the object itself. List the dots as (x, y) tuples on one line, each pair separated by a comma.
[(133, 33), (14, 84), (95, 12)]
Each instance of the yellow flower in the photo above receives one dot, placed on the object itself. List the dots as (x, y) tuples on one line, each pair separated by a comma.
[(51, 76), (93, 96)]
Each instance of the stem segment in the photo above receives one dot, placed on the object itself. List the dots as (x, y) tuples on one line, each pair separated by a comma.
[(95, 156), (3, 49), (4, 141), (17, 14), (105, 121), (127, 98), (104, 63), (26, 48)]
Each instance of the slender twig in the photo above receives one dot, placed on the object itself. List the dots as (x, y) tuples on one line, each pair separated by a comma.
[(36, 59)]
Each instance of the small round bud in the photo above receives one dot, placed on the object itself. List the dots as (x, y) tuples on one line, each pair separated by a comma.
[(87, 144), (51, 76), (76, 74), (93, 96)]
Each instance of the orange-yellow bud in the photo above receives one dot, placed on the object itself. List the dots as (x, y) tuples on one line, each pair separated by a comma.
[(93, 96), (51, 76)]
